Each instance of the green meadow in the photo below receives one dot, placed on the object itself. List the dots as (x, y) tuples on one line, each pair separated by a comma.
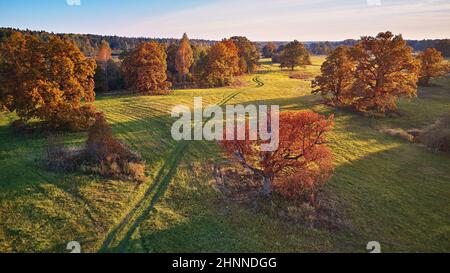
[(385, 188)]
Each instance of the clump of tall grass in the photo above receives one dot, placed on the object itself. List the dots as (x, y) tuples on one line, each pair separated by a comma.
[(437, 136), (103, 154)]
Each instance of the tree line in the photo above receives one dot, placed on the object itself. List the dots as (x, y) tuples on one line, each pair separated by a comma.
[(90, 44), (50, 79)]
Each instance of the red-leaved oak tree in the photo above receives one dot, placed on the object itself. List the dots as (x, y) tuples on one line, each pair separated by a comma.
[(301, 163)]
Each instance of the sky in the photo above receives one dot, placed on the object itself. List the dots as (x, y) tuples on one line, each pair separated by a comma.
[(259, 20)]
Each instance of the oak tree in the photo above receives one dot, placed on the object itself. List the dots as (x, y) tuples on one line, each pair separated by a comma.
[(248, 54), (219, 65), (337, 77), (432, 65), (49, 80), (302, 150), (294, 54), (269, 50), (103, 57), (385, 71)]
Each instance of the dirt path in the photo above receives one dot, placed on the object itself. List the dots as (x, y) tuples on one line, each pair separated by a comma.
[(119, 237)]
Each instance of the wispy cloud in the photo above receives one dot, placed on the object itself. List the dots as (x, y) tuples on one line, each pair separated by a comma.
[(301, 19)]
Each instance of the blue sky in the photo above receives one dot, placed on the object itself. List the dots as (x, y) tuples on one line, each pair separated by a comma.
[(215, 19)]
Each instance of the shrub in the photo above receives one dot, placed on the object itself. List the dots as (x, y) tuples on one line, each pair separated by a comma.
[(104, 155), (437, 136), (400, 133), (110, 157), (307, 181), (301, 76)]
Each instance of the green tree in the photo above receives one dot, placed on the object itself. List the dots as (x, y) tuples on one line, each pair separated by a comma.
[(294, 54), (269, 50)]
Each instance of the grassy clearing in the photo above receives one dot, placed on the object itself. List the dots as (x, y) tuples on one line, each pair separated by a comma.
[(388, 190)]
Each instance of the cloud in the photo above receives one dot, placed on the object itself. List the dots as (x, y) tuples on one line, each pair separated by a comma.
[(73, 2), (300, 19)]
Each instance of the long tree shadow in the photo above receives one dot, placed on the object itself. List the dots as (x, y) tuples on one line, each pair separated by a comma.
[(141, 210)]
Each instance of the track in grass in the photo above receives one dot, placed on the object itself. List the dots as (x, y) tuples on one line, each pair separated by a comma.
[(258, 81), (119, 237)]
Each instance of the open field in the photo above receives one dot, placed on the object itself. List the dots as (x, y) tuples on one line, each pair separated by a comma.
[(387, 189)]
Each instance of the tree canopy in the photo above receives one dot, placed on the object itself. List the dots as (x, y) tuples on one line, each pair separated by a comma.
[(219, 65), (432, 65), (184, 57), (337, 77), (248, 54), (385, 71), (50, 80), (269, 50), (145, 69), (302, 150), (294, 54)]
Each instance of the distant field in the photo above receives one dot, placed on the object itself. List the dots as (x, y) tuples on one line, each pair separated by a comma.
[(387, 189)]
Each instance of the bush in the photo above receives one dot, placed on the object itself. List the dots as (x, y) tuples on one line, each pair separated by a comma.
[(301, 76), (400, 133), (110, 157), (437, 136), (306, 182), (104, 155)]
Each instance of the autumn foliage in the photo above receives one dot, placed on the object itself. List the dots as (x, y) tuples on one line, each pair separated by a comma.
[(294, 54), (248, 54), (431, 65), (108, 156), (145, 69), (303, 161), (219, 65), (372, 75), (49, 80), (184, 58), (337, 77)]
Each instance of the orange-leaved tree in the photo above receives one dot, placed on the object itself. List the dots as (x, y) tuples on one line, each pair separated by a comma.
[(49, 79), (103, 57), (145, 69), (219, 65), (104, 52), (302, 153), (337, 77), (248, 54), (385, 71), (432, 65), (184, 57)]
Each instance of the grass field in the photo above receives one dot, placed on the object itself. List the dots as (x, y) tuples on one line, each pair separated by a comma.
[(387, 189)]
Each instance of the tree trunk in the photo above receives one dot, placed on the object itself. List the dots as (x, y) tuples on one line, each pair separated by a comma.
[(267, 186)]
